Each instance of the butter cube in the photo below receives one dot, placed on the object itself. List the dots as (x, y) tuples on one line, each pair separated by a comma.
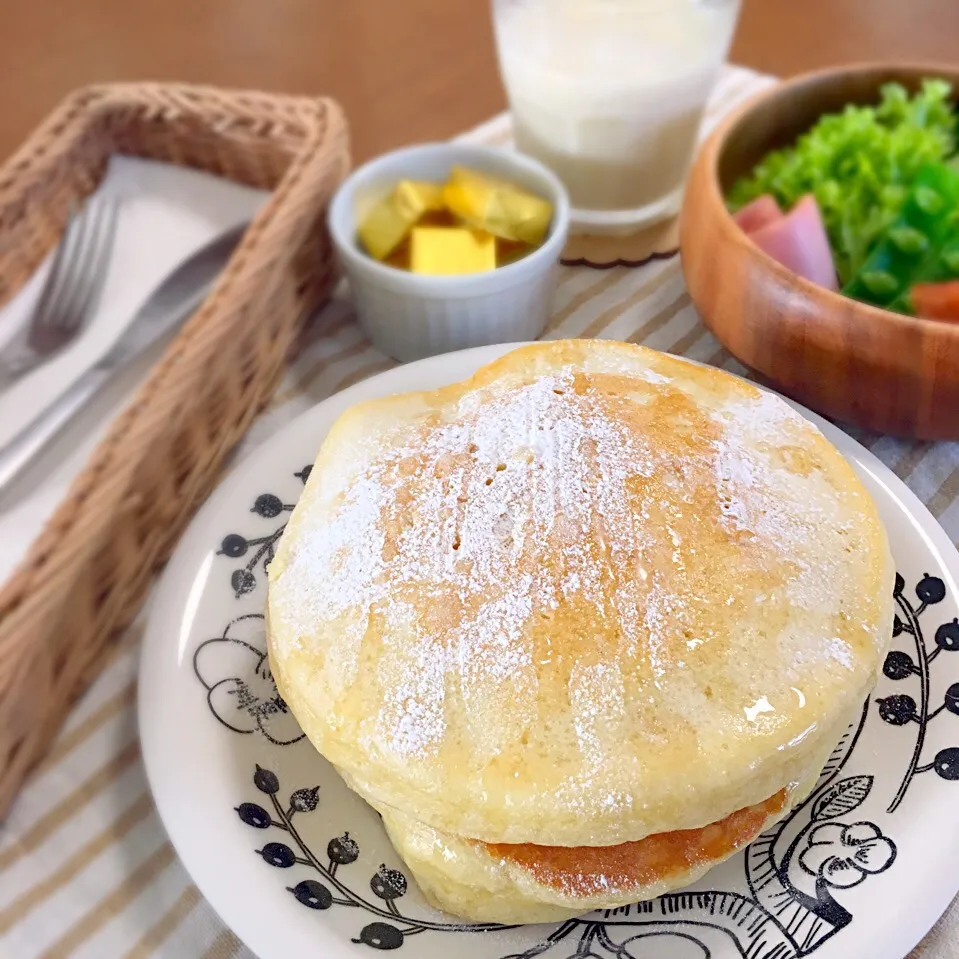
[(451, 251), (389, 221), (497, 207), (420, 196)]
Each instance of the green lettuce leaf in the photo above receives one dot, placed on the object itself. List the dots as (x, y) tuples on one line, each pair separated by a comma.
[(859, 164)]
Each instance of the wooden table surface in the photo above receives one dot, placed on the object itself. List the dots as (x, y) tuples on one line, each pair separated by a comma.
[(405, 70)]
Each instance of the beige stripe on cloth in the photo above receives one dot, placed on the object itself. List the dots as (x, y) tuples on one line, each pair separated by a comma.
[(164, 927), (911, 459), (225, 946), (688, 340), (128, 889), (70, 805), (645, 304), (662, 276), (362, 373), (66, 871), (76, 737), (946, 494), (605, 280), (660, 319)]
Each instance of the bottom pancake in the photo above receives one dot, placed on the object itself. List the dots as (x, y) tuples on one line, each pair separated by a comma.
[(528, 884)]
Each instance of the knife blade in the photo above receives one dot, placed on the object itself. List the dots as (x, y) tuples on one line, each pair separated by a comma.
[(174, 300)]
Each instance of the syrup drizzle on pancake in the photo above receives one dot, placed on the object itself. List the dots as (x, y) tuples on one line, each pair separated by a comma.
[(440, 535)]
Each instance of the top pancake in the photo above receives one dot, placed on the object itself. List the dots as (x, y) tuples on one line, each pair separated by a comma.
[(593, 593)]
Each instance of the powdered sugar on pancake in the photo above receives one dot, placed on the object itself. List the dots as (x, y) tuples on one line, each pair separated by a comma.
[(485, 519), (755, 434), (500, 473)]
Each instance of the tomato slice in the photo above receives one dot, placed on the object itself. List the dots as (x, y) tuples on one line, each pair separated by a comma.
[(936, 301)]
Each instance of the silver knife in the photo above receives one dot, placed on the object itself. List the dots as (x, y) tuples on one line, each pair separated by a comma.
[(169, 305)]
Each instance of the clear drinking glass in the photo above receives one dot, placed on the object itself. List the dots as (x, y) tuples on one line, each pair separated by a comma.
[(610, 94)]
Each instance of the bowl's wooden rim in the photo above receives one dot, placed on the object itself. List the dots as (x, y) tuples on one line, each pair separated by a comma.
[(716, 142)]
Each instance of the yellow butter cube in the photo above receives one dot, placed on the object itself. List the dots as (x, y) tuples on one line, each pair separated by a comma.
[(451, 251), (389, 221), (420, 196), (497, 207)]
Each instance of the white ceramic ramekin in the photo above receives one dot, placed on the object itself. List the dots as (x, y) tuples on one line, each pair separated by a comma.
[(409, 316)]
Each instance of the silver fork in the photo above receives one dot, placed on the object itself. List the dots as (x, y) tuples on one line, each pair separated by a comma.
[(70, 292)]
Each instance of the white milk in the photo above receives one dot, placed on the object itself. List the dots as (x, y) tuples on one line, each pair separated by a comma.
[(610, 93)]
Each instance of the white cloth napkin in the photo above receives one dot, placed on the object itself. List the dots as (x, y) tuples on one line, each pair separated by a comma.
[(165, 214)]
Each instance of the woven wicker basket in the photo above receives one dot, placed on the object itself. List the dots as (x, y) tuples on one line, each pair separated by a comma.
[(85, 577)]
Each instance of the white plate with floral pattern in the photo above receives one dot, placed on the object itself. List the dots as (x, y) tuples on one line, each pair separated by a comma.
[(300, 867)]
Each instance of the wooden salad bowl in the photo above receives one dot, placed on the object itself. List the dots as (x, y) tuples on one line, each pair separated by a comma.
[(850, 361)]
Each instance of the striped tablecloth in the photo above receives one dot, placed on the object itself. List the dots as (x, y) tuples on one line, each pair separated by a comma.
[(86, 869)]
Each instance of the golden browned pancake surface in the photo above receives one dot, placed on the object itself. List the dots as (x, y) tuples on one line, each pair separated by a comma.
[(584, 871), (528, 883), (593, 593)]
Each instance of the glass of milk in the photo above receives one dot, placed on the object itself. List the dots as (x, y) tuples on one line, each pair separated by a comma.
[(610, 94)]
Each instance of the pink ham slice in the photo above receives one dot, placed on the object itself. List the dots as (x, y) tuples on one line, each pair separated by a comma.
[(798, 241), (761, 212)]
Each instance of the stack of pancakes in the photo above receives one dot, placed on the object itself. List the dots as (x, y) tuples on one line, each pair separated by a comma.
[(580, 627)]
